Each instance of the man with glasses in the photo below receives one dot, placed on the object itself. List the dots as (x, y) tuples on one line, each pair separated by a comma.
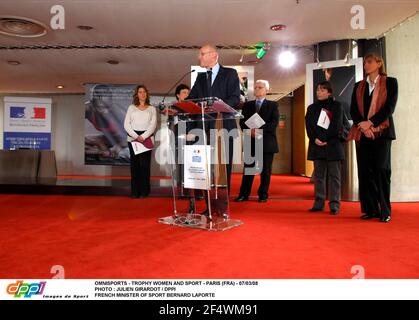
[(223, 83), (268, 111)]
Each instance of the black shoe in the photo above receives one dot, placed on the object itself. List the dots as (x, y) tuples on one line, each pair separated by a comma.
[(314, 209), (241, 199), (368, 216), (205, 213), (385, 219), (263, 199), (334, 211)]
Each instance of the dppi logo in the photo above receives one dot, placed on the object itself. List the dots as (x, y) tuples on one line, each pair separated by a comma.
[(27, 290)]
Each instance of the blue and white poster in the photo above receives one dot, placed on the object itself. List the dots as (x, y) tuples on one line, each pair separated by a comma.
[(27, 123)]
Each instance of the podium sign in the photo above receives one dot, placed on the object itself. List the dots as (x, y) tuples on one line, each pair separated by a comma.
[(197, 171)]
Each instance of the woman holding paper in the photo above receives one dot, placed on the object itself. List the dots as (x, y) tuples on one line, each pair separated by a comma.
[(324, 121), (373, 102), (140, 124)]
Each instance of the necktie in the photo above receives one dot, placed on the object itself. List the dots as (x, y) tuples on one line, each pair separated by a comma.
[(209, 82), (258, 105)]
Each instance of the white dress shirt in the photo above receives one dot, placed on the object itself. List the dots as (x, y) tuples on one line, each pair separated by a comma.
[(214, 71), (372, 83)]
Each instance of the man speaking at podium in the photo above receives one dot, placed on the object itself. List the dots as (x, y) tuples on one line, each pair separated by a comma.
[(222, 83)]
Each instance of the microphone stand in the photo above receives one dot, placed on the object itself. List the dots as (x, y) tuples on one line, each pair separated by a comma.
[(161, 104)]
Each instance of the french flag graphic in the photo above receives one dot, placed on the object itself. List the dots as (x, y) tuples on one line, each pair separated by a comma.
[(39, 113), (17, 112)]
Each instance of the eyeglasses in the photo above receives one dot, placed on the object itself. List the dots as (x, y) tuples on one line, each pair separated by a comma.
[(259, 87)]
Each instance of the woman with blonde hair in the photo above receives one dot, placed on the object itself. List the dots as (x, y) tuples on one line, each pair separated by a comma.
[(373, 102)]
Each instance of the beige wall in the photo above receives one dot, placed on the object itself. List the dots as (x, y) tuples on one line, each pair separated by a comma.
[(300, 165), (402, 62), (67, 135), (283, 159)]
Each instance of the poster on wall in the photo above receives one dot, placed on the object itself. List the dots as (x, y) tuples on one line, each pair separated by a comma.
[(340, 74), (105, 139), (27, 123), (246, 76)]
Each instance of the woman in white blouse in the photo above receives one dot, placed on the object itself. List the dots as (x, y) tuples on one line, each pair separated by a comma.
[(140, 124)]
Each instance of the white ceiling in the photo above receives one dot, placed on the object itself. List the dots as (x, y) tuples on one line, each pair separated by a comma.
[(177, 22)]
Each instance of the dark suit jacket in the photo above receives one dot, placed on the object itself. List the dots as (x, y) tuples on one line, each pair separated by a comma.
[(385, 112), (226, 87), (270, 114)]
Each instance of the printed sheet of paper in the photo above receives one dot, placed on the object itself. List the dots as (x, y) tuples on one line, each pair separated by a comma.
[(255, 122), (324, 119)]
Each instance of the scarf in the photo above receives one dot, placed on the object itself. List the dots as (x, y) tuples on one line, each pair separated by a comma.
[(379, 98)]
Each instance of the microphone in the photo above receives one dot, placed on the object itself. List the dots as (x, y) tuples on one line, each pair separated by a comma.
[(161, 104)]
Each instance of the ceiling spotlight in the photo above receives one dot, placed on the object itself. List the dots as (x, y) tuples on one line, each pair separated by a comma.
[(85, 28), (13, 62), (287, 59), (60, 86), (278, 27), (113, 61)]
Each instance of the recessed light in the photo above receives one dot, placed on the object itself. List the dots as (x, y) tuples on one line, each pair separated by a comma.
[(60, 86), (21, 27), (85, 28), (113, 61), (278, 27), (13, 62)]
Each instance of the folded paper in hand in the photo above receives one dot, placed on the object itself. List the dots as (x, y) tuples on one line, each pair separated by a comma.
[(255, 122), (324, 119), (140, 147)]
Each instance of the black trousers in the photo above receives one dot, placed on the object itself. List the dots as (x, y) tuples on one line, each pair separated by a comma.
[(374, 176), (327, 176), (229, 166), (140, 172), (265, 178)]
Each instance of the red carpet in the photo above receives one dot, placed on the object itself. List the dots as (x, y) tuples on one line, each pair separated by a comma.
[(118, 237)]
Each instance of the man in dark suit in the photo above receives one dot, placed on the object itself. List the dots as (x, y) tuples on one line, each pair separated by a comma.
[(223, 83), (268, 111)]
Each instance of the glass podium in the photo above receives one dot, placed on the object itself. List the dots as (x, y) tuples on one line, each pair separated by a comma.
[(197, 164)]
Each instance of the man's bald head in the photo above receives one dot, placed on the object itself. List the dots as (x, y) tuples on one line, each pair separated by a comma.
[(209, 47), (208, 56)]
